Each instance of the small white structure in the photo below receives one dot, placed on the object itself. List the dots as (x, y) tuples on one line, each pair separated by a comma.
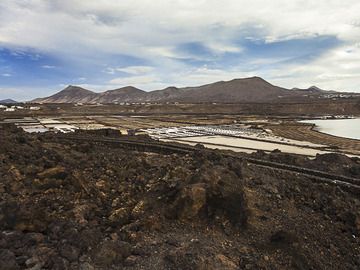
[(2, 106), (10, 110), (34, 108)]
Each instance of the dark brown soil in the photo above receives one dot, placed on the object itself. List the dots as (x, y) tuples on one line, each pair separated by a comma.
[(90, 206)]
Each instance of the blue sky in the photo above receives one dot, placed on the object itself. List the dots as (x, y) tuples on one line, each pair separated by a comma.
[(106, 44)]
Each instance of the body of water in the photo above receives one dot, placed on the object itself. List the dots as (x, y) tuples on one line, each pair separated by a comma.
[(348, 128)]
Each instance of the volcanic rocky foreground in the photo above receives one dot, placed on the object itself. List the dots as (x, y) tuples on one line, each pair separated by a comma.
[(84, 205)]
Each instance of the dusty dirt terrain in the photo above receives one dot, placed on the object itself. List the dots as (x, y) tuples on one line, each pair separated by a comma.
[(284, 109), (91, 206)]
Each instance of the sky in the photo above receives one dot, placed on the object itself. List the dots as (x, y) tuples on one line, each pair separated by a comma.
[(107, 44)]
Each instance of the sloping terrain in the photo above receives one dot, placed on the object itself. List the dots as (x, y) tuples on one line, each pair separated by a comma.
[(125, 94), (8, 101), (71, 94), (240, 90), (90, 206), (252, 89)]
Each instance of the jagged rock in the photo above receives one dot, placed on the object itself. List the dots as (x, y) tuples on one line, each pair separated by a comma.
[(226, 263), (138, 210), (80, 211), (190, 201), (131, 260), (86, 266), (56, 172), (8, 260), (59, 263), (34, 238), (225, 195), (69, 252), (15, 173), (112, 252), (119, 216), (47, 183)]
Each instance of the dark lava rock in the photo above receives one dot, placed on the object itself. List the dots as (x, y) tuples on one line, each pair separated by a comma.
[(87, 205), (70, 253), (8, 260), (111, 252), (56, 172)]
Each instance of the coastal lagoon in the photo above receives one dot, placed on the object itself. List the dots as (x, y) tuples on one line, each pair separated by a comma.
[(347, 128)]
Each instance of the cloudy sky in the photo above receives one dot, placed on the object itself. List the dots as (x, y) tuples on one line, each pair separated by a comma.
[(106, 44)]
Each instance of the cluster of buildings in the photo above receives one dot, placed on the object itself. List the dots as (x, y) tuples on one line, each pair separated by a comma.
[(62, 125), (13, 108), (39, 125), (337, 95)]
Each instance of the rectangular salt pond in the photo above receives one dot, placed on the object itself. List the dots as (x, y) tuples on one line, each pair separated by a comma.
[(239, 144)]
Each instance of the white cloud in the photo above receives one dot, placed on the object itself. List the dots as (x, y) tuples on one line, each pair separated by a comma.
[(94, 31), (135, 70), (48, 67), (6, 75), (146, 82), (122, 26)]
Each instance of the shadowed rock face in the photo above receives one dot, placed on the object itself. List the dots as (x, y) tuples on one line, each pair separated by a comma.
[(83, 205), (253, 89)]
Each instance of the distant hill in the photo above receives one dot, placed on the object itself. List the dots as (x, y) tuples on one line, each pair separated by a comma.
[(8, 101), (71, 94), (254, 89), (125, 94)]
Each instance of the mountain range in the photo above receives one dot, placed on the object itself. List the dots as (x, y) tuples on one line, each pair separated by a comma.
[(254, 89), (8, 101)]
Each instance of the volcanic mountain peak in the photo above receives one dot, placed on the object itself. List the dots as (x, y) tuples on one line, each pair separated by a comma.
[(71, 94), (125, 90), (253, 89), (8, 101), (171, 88), (315, 88), (72, 89)]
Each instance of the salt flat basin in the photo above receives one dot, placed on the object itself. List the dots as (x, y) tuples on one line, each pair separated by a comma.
[(246, 145), (347, 128)]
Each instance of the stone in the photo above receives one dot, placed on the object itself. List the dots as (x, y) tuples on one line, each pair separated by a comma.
[(70, 253), (86, 266), (138, 210), (8, 260), (226, 262), (119, 216), (47, 183), (80, 211), (34, 238), (15, 173), (59, 263), (112, 252), (55, 172), (130, 261), (191, 200)]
